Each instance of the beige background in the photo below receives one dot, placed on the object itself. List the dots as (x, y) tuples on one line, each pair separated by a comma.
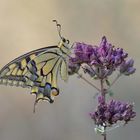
[(26, 25)]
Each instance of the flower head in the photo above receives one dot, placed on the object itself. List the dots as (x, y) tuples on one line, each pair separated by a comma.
[(102, 60), (112, 112)]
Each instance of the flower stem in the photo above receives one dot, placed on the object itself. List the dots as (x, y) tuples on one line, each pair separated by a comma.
[(114, 81), (102, 87), (103, 94), (83, 78)]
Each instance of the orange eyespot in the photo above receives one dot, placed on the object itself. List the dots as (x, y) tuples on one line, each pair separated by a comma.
[(54, 92)]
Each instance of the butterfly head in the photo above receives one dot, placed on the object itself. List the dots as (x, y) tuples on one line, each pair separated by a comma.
[(65, 42)]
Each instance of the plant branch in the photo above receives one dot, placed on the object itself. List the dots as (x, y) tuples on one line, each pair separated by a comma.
[(102, 87), (83, 78), (103, 94), (114, 81)]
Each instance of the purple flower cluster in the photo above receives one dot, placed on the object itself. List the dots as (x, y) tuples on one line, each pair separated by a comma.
[(101, 60), (110, 113)]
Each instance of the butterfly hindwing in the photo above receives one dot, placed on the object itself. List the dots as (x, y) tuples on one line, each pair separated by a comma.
[(41, 75), (64, 70)]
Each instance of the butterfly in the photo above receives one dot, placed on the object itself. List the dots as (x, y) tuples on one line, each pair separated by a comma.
[(39, 69)]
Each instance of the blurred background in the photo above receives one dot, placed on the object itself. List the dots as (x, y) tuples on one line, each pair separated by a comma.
[(26, 25)]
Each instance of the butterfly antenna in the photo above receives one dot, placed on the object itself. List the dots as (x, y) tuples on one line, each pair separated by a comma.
[(58, 28)]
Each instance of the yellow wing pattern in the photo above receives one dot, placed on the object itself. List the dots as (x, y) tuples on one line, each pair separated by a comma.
[(37, 70)]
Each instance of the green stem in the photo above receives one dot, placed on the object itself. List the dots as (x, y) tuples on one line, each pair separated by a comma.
[(83, 78), (114, 81), (102, 87), (103, 94)]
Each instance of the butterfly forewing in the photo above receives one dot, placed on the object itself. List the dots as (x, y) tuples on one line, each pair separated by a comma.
[(14, 71)]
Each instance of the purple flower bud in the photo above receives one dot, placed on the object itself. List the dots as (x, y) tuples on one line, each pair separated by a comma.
[(127, 68), (93, 115), (130, 62), (107, 115), (95, 63), (129, 71), (83, 52), (133, 114), (116, 117), (73, 67), (101, 100)]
